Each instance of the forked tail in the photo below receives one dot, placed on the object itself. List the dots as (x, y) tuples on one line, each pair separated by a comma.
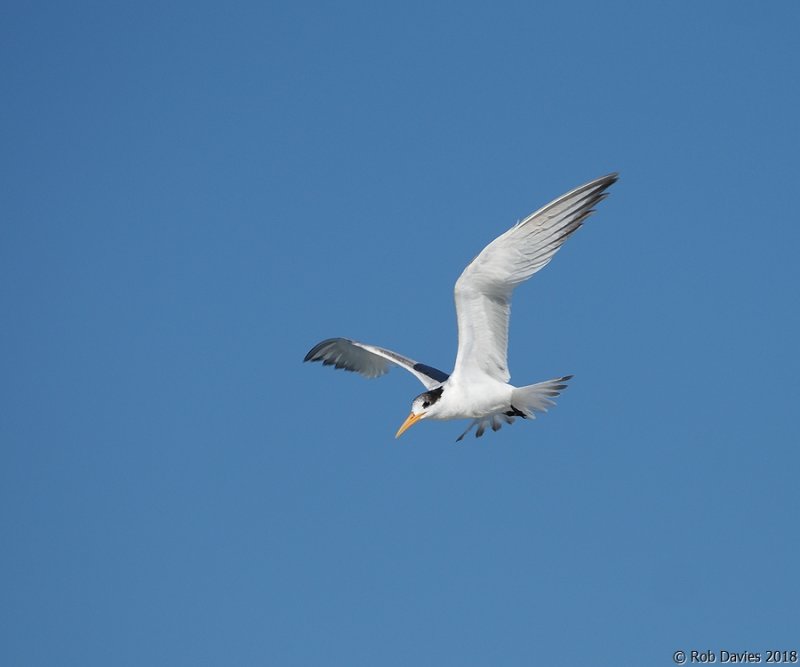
[(538, 397)]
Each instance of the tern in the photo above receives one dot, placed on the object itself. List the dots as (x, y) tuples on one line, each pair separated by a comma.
[(478, 388)]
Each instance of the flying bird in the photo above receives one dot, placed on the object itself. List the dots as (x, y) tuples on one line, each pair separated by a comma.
[(478, 387)]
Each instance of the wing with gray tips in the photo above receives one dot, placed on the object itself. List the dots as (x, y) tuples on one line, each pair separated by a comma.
[(483, 292), (371, 361)]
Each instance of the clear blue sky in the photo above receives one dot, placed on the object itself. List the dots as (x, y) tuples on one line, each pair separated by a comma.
[(195, 194)]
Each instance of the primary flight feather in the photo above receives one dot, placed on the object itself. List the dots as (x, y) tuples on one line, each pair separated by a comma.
[(478, 388)]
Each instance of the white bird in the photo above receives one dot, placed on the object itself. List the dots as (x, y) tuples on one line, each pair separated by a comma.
[(478, 388)]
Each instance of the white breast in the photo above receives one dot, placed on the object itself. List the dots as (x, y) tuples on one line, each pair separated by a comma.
[(473, 399)]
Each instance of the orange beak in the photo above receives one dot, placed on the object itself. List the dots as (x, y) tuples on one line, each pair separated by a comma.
[(408, 423)]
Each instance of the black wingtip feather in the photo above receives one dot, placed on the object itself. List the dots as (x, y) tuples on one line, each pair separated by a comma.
[(315, 353)]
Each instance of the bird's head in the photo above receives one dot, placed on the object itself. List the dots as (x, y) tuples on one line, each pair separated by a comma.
[(423, 406)]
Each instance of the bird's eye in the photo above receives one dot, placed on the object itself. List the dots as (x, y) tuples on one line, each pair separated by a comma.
[(425, 404)]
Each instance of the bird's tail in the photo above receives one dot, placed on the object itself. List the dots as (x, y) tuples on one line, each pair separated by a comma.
[(537, 397)]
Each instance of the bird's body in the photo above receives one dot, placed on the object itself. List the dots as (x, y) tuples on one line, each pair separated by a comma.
[(478, 388), (471, 400)]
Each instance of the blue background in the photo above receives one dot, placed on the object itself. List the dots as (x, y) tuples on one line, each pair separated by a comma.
[(194, 194)]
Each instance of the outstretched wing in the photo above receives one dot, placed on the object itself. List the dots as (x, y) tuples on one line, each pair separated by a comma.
[(483, 292), (371, 361)]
